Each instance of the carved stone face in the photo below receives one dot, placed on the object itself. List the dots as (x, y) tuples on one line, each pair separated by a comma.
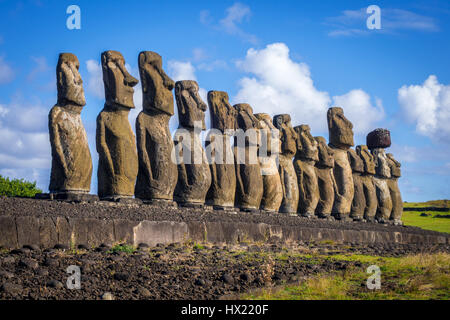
[(355, 160), (394, 165), (266, 125), (69, 82), (367, 158), (325, 153), (288, 135), (381, 163), (191, 107), (223, 115), (156, 84), (339, 129), (306, 144), (245, 120), (118, 82)]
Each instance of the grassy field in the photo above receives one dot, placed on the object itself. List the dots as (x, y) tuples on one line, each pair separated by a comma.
[(413, 218), (433, 203), (418, 277)]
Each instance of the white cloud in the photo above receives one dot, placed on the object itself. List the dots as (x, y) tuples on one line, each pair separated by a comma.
[(95, 80), (428, 107), (6, 72), (180, 70), (213, 65)]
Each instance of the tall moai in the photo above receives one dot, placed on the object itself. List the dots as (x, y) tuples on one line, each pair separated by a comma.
[(71, 159), (116, 145), (304, 164), (222, 192), (268, 160), (194, 175), (377, 141), (286, 167), (249, 180), (340, 140), (368, 185), (359, 200), (396, 196), (158, 172), (325, 179)]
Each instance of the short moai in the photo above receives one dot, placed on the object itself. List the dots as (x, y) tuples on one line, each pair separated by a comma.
[(368, 185), (359, 200), (396, 196), (325, 179), (116, 145), (268, 156), (340, 140), (249, 180), (158, 173), (304, 164), (286, 167), (194, 175), (221, 194), (71, 159)]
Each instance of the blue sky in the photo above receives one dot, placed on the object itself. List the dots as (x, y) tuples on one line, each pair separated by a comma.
[(298, 57)]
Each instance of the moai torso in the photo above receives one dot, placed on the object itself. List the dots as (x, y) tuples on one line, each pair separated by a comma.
[(367, 182), (116, 146), (325, 178), (286, 168), (223, 175), (268, 160), (249, 181), (382, 175), (396, 196), (158, 172), (359, 199), (194, 176), (306, 157), (341, 139), (71, 158)]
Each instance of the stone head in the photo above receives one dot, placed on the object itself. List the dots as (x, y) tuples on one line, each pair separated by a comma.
[(191, 108), (356, 163), (265, 125), (306, 144), (326, 159), (223, 115), (288, 135), (246, 121), (69, 82), (339, 129), (394, 165), (382, 168), (118, 82), (367, 158), (157, 86)]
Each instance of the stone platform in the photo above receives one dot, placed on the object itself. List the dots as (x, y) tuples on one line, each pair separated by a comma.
[(49, 222)]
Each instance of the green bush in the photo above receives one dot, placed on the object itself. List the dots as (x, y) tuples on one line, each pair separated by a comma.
[(17, 188)]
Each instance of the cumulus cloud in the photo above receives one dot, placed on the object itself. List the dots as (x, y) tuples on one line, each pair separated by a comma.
[(181, 70), (94, 84), (428, 107), (6, 72)]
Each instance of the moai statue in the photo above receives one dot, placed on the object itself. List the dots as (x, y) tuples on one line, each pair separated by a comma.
[(325, 179), (221, 194), (158, 172), (377, 140), (368, 185), (194, 175), (249, 180), (341, 139), (359, 200), (286, 168), (116, 145), (305, 159), (268, 160), (396, 196), (71, 158)]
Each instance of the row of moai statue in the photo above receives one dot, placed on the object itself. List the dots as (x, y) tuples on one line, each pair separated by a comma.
[(308, 177)]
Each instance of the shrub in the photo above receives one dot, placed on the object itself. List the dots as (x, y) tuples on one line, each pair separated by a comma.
[(17, 188)]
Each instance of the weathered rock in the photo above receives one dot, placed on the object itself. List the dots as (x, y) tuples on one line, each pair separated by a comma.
[(396, 196), (378, 138), (116, 146), (368, 185), (158, 173), (223, 175), (325, 178), (71, 158), (383, 173), (306, 157), (271, 143), (359, 200), (286, 168), (194, 175), (341, 139), (249, 180)]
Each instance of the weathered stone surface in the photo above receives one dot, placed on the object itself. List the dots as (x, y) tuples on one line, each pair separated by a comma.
[(194, 175), (367, 182), (249, 180), (339, 129), (383, 173), (71, 159), (306, 157), (286, 168), (378, 138), (396, 196), (116, 146), (359, 199), (325, 178), (158, 173), (273, 190), (223, 175)]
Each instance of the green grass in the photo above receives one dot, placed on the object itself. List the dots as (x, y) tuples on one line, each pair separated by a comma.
[(413, 218), (122, 248), (432, 203), (17, 188)]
